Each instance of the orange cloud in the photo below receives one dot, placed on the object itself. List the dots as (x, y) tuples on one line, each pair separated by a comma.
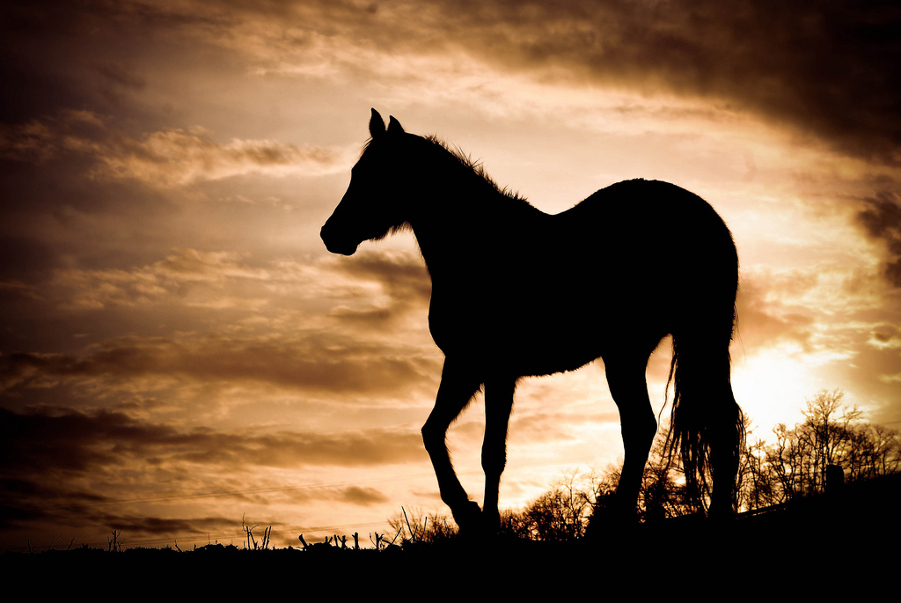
[(164, 159), (178, 157), (312, 364)]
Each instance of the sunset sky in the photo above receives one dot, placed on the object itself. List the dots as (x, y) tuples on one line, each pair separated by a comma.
[(177, 347)]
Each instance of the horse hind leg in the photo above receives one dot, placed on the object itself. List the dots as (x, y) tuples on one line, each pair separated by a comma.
[(726, 434), (726, 445), (454, 393), (628, 386), (707, 423)]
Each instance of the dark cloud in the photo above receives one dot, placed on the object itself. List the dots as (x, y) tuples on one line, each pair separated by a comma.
[(367, 448), (360, 496), (28, 518), (314, 364), (71, 442), (176, 157), (23, 258), (763, 321), (45, 456), (36, 497), (881, 217), (828, 69), (120, 75), (402, 276), (142, 526), (887, 335), (167, 158)]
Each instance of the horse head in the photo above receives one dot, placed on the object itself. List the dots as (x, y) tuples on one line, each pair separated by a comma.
[(378, 195)]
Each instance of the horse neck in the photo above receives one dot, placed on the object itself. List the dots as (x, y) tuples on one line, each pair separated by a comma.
[(462, 214)]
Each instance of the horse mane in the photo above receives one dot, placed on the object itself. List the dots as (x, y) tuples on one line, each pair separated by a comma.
[(466, 161), (477, 168)]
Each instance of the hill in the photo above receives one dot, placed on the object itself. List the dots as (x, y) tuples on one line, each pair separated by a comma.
[(847, 540)]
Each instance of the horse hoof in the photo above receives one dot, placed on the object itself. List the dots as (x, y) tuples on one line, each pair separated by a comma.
[(491, 522), (721, 513), (469, 517)]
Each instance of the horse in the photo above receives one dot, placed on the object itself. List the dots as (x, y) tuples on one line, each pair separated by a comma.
[(517, 292)]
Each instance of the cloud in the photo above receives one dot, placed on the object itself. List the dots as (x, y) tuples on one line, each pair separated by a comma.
[(360, 496), (41, 442), (764, 320), (401, 277), (32, 142), (144, 526), (50, 459), (361, 332), (313, 364), (185, 276), (120, 75), (227, 279), (886, 336), (825, 70), (179, 157), (41, 139), (881, 218), (165, 159), (50, 442)]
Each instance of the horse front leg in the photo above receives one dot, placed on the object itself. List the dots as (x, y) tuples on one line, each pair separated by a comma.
[(498, 405), (455, 392)]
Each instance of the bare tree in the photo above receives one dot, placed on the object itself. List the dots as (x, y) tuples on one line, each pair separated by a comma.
[(875, 450), (413, 525), (664, 493), (797, 461), (828, 427), (758, 485), (563, 512), (792, 465)]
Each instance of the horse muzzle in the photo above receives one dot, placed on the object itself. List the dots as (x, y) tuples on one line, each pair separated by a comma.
[(334, 244)]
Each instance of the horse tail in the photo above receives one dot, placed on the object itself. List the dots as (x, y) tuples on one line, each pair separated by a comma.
[(707, 425)]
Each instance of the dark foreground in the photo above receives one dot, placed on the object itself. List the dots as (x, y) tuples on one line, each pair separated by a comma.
[(847, 542)]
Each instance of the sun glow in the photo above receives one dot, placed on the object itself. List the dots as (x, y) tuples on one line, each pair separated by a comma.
[(771, 386)]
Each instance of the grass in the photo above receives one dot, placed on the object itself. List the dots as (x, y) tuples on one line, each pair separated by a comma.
[(817, 546)]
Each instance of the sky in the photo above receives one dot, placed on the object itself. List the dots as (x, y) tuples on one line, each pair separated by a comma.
[(178, 351)]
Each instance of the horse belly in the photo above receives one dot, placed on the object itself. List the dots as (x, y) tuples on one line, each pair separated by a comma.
[(520, 338), (557, 352)]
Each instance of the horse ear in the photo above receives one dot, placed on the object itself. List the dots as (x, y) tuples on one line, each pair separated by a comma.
[(376, 124), (394, 126)]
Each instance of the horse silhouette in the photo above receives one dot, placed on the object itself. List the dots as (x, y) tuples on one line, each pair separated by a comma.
[(517, 292)]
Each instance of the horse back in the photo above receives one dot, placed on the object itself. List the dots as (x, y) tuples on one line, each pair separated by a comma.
[(555, 289)]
